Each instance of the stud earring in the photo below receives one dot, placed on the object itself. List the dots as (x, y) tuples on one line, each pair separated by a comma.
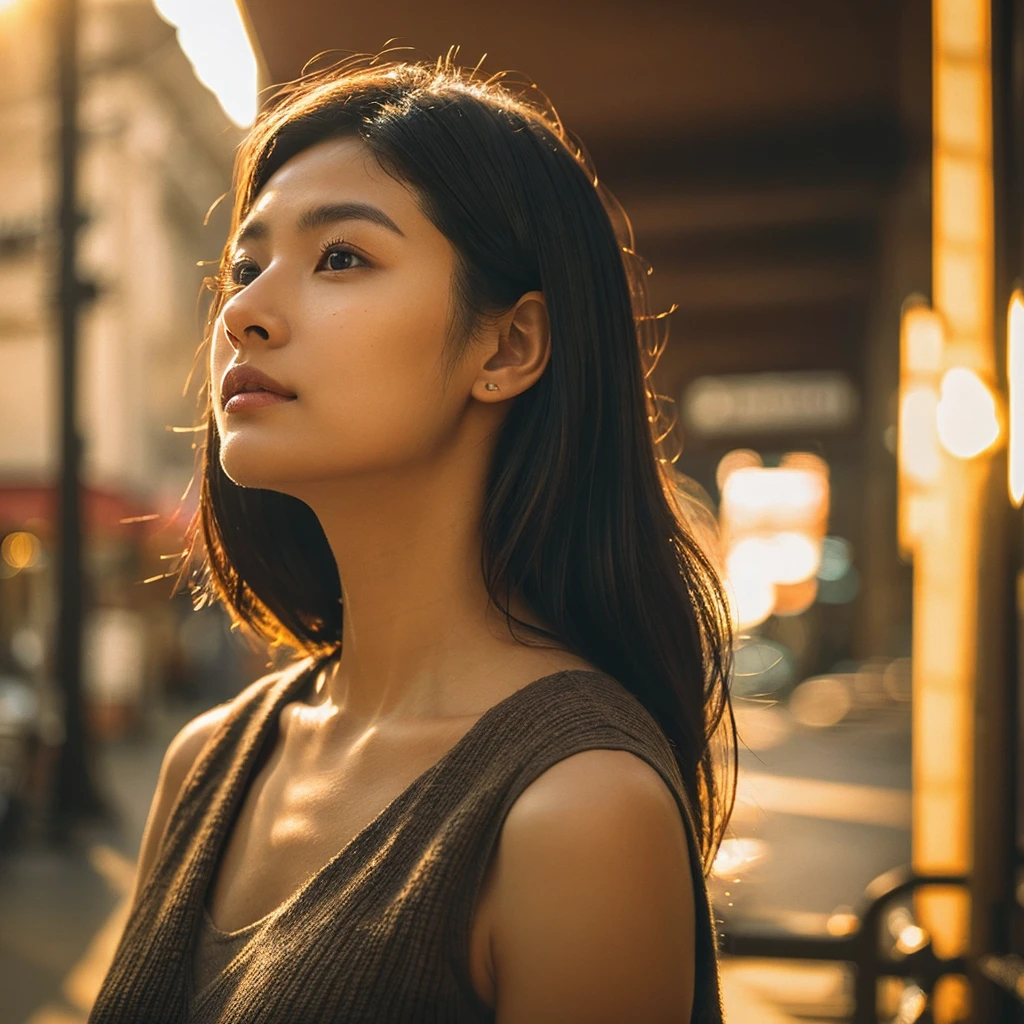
[(491, 386)]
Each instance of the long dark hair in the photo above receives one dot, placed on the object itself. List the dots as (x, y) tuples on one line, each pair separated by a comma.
[(583, 515)]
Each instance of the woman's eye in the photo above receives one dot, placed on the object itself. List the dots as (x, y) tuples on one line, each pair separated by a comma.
[(340, 259), (244, 272)]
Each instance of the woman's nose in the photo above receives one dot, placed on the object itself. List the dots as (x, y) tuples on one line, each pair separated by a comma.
[(244, 321), (236, 340)]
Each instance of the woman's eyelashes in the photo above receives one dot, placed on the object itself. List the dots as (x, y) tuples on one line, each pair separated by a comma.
[(338, 248), (240, 267), (335, 256)]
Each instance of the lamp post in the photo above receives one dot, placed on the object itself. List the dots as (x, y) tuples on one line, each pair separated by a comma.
[(74, 795)]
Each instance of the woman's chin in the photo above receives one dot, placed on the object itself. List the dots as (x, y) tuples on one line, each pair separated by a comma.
[(257, 471)]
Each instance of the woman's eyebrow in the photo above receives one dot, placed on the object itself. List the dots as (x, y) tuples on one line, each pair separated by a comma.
[(321, 217)]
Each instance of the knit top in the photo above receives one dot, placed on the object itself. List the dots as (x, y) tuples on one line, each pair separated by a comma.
[(214, 949), (381, 933)]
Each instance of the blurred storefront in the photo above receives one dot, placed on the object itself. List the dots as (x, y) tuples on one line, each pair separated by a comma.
[(134, 638)]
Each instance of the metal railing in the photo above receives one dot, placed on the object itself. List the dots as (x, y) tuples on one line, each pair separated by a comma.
[(863, 948)]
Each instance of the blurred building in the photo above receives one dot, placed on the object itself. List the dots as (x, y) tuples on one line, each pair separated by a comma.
[(156, 153)]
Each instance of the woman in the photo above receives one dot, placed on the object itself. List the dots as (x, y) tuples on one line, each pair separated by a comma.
[(488, 790)]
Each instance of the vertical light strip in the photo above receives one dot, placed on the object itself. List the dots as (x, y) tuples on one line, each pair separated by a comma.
[(918, 455), (1015, 376), (962, 220), (946, 552)]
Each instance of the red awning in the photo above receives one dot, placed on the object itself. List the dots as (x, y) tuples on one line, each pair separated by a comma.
[(102, 511)]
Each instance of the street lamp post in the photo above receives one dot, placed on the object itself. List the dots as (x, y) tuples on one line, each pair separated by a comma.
[(74, 794)]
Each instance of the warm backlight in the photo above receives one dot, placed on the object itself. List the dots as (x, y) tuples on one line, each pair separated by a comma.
[(918, 442), (1015, 375), (773, 523), (967, 419)]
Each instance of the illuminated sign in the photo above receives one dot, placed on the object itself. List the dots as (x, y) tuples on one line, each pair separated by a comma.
[(770, 403)]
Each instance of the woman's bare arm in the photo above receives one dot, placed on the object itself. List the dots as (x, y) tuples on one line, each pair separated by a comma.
[(594, 918)]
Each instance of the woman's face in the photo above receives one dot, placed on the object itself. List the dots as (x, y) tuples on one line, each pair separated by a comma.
[(344, 300)]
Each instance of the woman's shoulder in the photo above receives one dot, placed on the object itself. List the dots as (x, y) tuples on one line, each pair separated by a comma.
[(180, 757), (599, 699), (185, 748), (593, 867), (582, 727)]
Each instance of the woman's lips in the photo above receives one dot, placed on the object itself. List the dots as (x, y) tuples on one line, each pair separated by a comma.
[(253, 400)]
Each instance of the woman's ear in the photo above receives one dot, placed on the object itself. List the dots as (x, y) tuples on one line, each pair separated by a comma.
[(523, 340)]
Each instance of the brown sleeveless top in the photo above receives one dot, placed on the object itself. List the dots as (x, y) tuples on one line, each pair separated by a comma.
[(215, 948), (381, 932)]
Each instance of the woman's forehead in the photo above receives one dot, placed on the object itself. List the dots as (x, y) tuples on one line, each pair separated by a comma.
[(336, 170)]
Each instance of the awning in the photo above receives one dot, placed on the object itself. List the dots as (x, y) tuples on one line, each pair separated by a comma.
[(34, 506)]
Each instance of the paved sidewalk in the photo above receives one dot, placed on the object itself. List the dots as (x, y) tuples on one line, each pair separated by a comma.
[(62, 912), (785, 992)]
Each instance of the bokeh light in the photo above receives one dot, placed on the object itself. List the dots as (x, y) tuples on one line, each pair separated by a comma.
[(784, 492), (966, 416), (797, 557), (20, 550), (738, 458), (836, 558), (773, 520), (795, 598), (896, 680), (737, 855), (761, 667), (840, 591), (751, 595), (821, 702), (920, 457), (842, 921), (762, 726)]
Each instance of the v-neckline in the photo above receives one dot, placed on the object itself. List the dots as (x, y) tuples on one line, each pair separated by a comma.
[(292, 691)]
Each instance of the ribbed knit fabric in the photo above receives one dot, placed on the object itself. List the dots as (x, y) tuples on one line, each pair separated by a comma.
[(214, 949), (381, 932)]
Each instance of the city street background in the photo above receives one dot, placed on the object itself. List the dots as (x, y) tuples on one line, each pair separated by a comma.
[(837, 367)]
